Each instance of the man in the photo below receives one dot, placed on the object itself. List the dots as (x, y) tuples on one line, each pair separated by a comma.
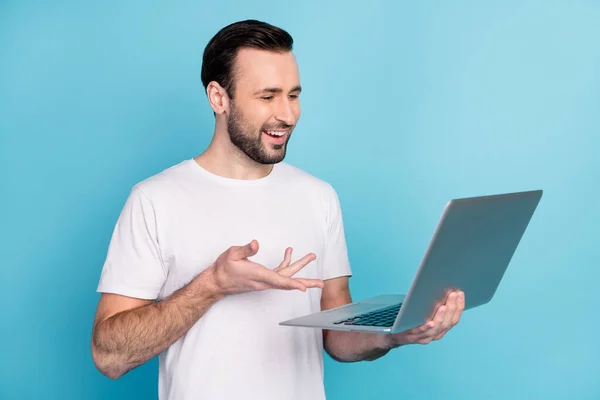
[(184, 277)]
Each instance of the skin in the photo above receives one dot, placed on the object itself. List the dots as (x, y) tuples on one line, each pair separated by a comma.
[(127, 331)]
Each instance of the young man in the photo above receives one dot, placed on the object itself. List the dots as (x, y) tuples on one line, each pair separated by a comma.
[(184, 277)]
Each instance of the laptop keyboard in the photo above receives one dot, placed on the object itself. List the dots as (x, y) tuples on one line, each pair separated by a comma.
[(382, 317)]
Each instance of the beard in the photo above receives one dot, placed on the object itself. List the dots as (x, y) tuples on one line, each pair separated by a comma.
[(249, 139)]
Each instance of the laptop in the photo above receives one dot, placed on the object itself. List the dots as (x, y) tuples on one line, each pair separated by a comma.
[(470, 250)]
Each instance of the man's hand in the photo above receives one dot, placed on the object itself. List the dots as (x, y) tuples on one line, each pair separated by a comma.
[(446, 317), (356, 346), (128, 331), (234, 273)]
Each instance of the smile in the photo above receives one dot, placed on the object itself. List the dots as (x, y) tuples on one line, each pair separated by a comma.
[(275, 133)]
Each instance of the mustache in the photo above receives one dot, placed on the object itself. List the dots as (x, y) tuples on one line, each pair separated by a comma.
[(276, 126)]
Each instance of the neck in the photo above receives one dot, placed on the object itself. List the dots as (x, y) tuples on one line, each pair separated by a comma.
[(223, 158)]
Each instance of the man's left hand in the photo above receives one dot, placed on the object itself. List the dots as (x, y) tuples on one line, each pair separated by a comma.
[(446, 317)]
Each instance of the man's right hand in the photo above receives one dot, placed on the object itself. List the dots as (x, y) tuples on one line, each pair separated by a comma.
[(234, 273), (130, 331)]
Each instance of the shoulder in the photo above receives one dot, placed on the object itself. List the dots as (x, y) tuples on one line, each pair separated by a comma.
[(165, 182)]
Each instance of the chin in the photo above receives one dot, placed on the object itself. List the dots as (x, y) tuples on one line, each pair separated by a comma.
[(272, 158)]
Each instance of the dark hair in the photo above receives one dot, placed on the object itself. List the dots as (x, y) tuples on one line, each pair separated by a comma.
[(218, 62)]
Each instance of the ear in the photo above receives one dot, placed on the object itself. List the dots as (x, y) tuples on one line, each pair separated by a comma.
[(217, 97)]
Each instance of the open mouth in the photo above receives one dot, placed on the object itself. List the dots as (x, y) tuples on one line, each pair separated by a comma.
[(276, 135)]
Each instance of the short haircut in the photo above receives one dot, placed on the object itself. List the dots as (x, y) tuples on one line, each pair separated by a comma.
[(218, 62)]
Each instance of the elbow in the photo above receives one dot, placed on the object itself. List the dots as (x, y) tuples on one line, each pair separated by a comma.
[(335, 353), (338, 356), (112, 373), (106, 362), (329, 345), (105, 366)]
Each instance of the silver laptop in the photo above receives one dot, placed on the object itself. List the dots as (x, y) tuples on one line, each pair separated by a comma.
[(470, 250)]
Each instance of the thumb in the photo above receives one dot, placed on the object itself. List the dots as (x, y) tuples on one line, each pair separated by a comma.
[(241, 252)]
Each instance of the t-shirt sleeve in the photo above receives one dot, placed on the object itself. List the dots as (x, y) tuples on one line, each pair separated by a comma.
[(335, 260), (133, 265)]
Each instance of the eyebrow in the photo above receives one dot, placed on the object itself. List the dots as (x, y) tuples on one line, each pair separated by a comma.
[(275, 90)]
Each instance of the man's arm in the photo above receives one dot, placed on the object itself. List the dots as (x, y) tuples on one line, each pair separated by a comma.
[(128, 332), (348, 346), (356, 346)]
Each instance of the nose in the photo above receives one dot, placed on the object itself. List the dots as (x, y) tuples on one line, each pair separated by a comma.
[(286, 112)]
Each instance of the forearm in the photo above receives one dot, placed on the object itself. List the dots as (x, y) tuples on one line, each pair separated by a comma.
[(356, 346), (130, 338)]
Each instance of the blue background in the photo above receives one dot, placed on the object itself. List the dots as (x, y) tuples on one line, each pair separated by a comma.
[(405, 105)]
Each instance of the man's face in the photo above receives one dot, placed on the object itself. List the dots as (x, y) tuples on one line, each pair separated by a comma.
[(265, 107)]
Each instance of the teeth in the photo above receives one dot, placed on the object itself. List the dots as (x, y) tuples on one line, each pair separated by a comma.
[(276, 133)]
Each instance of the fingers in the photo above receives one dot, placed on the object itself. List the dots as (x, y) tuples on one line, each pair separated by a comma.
[(288, 270), (287, 258), (288, 283), (450, 311), (291, 270), (454, 307), (460, 307), (421, 331), (445, 318), (280, 277), (414, 335), (278, 281), (442, 322), (311, 283), (428, 331), (242, 252), (438, 329)]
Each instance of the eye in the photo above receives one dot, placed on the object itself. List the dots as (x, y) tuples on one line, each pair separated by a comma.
[(293, 96), (267, 98)]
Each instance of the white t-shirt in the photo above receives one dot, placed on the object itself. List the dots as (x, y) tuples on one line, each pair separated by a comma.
[(177, 222)]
